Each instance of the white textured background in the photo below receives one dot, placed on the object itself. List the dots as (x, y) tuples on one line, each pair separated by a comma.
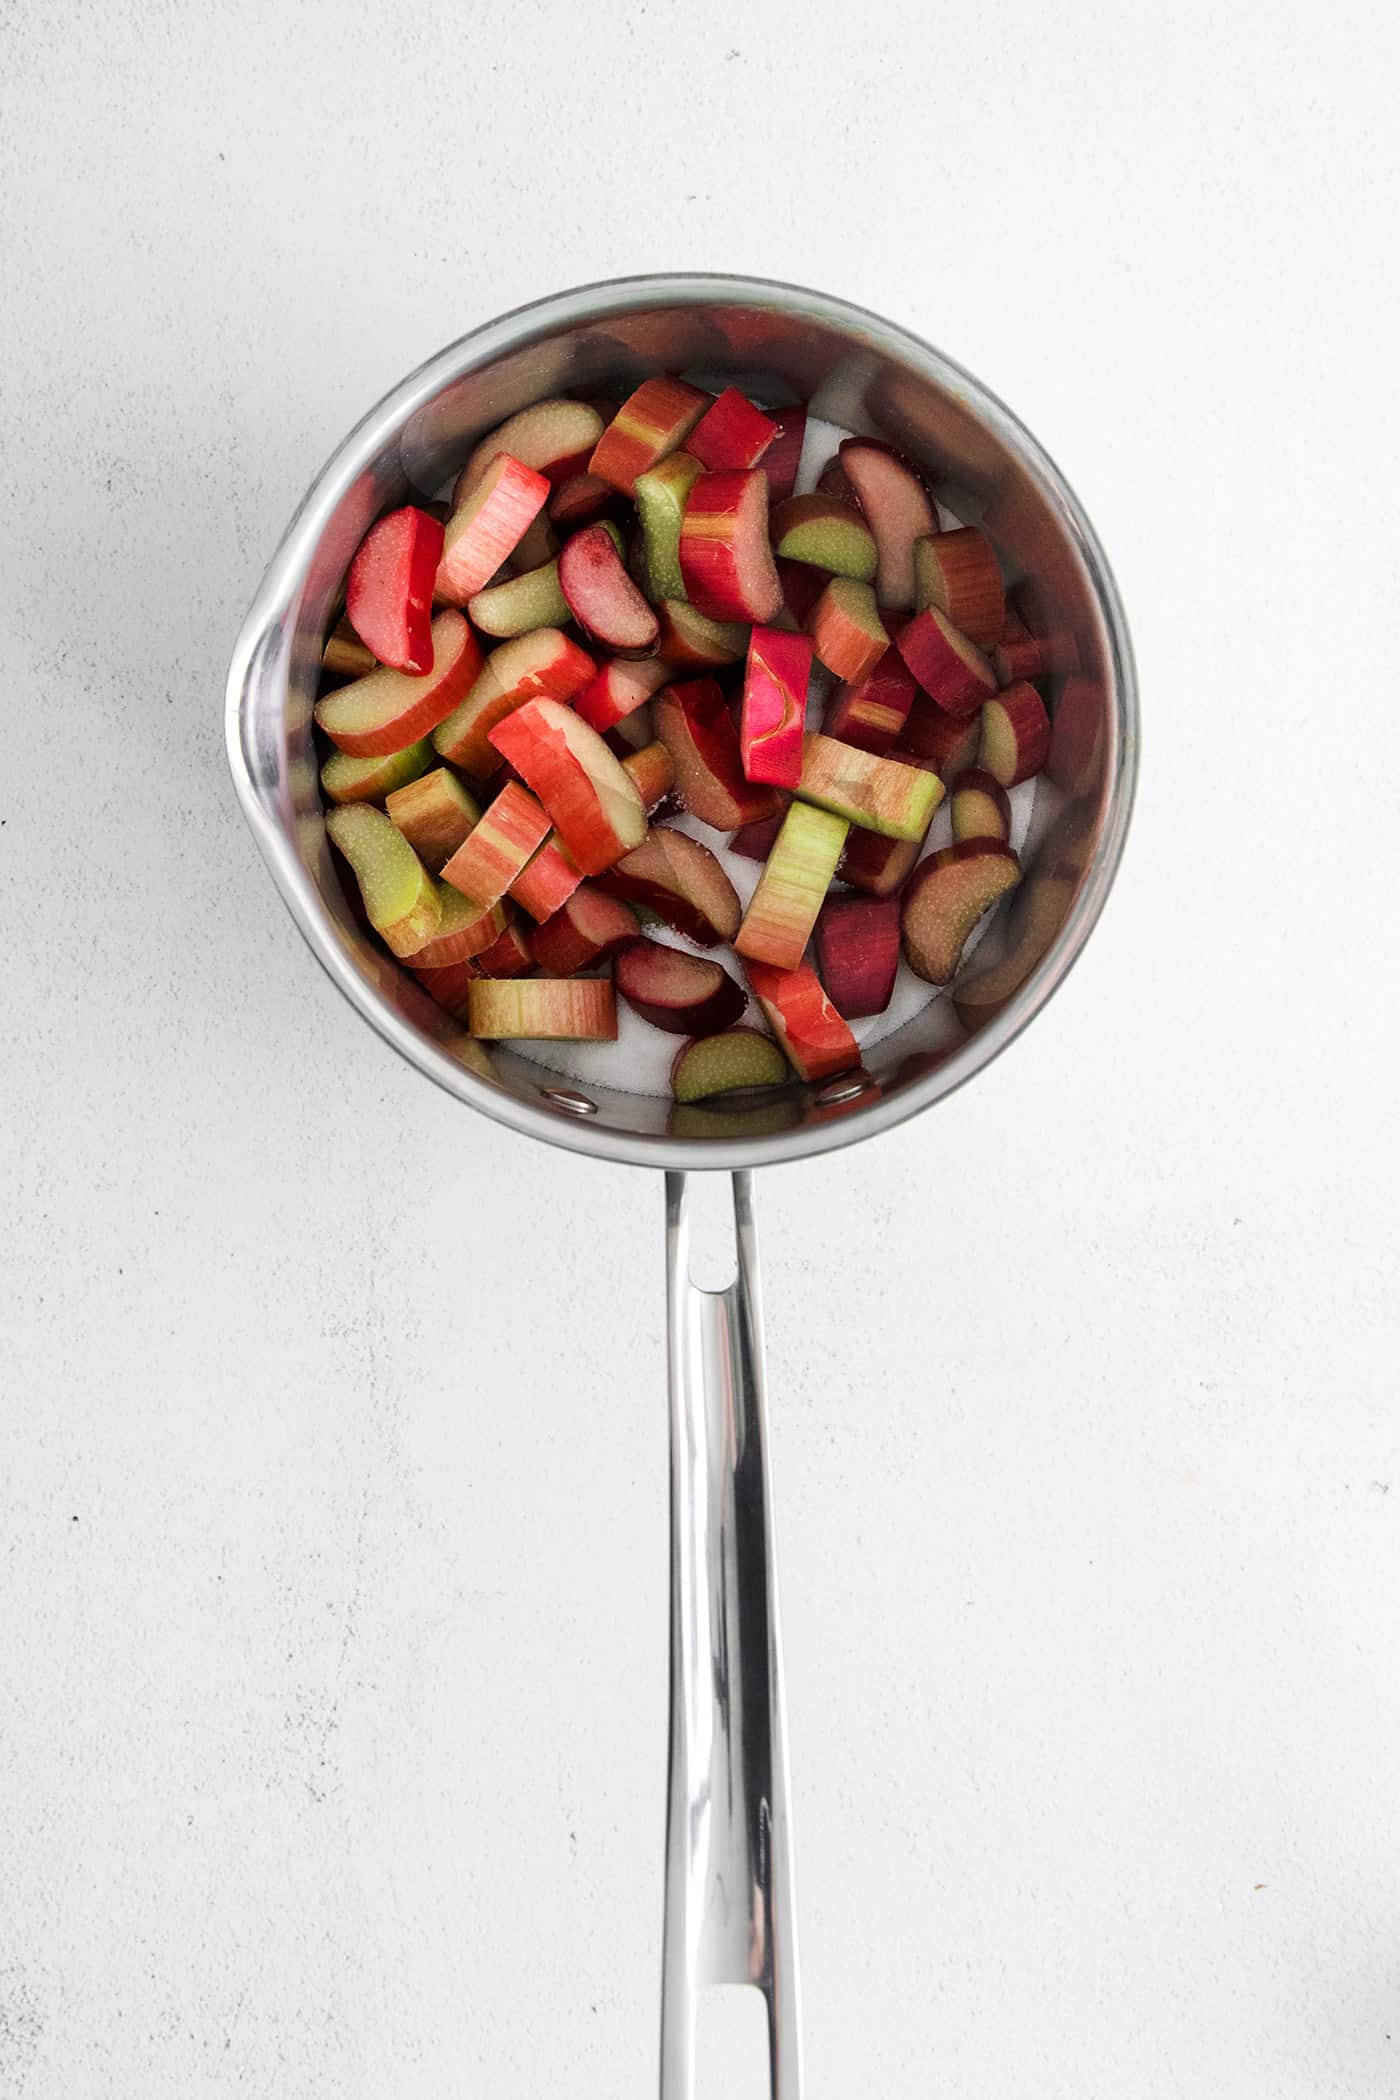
[(332, 1482)]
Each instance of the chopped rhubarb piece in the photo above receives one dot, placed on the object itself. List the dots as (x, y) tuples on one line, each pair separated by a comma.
[(434, 813), (546, 883), (486, 525), (1075, 760), (811, 1033), (878, 865), (682, 882), (755, 841), (345, 655), (581, 500), (871, 714), (544, 665), (1015, 735), (369, 779), (724, 1063), (857, 942), (593, 804), (981, 809), (543, 1009), (602, 596), (617, 690), (826, 534), (783, 909), (463, 931), (774, 706), (684, 994), (400, 897), (951, 669), (556, 438), (693, 721), (448, 986), (726, 560), (510, 956), (655, 420), (389, 595), (582, 932), (690, 641), (520, 604), (654, 771), (946, 742), (847, 631), (784, 455), (661, 498), (950, 892), (879, 794), (732, 432), (802, 589), (897, 509), (959, 573), (497, 849), (388, 709), (1021, 656)]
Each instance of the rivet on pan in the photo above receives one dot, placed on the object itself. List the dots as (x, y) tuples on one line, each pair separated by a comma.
[(575, 1104), (842, 1090)]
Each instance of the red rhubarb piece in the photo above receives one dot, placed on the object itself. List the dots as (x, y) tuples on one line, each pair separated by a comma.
[(726, 560), (488, 522), (390, 709), (684, 994), (857, 940), (731, 433), (602, 596), (774, 708), (693, 721), (813, 1036), (389, 595)]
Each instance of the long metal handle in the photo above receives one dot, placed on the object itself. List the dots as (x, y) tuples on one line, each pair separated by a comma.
[(729, 1893)]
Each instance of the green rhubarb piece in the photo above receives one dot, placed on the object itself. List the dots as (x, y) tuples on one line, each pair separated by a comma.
[(878, 794), (347, 779), (661, 494)]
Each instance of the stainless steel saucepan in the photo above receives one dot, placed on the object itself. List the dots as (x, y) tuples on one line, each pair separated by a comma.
[(728, 1883)]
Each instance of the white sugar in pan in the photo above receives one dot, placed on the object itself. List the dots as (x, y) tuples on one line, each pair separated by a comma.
[(641, 1058)]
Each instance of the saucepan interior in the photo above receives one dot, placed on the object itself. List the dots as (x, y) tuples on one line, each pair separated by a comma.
[(864, 375)]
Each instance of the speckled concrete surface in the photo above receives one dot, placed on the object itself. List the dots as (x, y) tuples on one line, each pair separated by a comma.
[(332, 1663)]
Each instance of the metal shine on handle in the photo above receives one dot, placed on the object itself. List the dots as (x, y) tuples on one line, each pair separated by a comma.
[(729, 1893)]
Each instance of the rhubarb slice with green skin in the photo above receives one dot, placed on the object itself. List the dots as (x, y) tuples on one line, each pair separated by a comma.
[(370, 779), (872, 713), (857, 942), (951, 669), (680, 880), (811, 1033), (389, 592), (546, 883), (847, 631), (661, 498), (434, 813), (389, 709), (897, 509), (521, 604), (400, 897), (732, 432), (653, 770), (878, 794), (555, 437), (980, 807), (655, 419), (1015, 740), (498, 848), (544, 665), (774, 709), (683, 994), (691, 641), (617, 690), (960, 574), (693, 721), (736, 1059), (543, 1010), (796, 876), (593, 804), (950, 892), (726, 561), (602, 596), (784, 456), (585, 930), (486, 525), (826, 534), (463, 931)]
